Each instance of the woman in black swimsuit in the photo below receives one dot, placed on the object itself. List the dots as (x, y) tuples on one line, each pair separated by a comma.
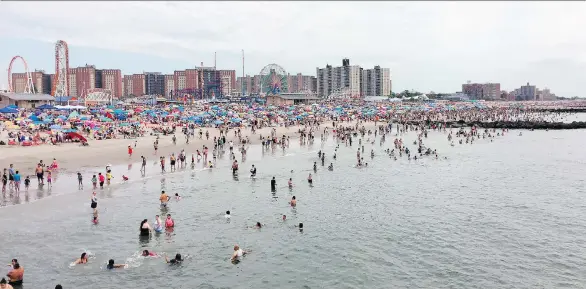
[(145, 228)]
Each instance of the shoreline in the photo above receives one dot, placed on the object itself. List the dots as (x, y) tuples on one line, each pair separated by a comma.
[(72, 157)]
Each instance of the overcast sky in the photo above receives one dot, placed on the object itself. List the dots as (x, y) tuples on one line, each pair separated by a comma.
[(428, 46)]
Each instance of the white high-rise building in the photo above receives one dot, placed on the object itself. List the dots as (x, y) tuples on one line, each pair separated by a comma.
[(353, 80), (342, 78), (376, 81)]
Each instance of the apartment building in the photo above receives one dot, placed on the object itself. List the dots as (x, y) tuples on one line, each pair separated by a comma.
[(487, 91)]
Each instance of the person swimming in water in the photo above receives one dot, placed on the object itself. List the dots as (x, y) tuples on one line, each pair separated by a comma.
[(310, 179), (82, 260), (147, 253), (177, 197), (253, 171), (227, 216), (300, 226), (331, 167), (290, 183), (175, 261), (111, 265)]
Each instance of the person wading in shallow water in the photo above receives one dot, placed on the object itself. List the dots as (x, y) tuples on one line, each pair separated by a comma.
[(15, 275), (4, 285), (238, 253)]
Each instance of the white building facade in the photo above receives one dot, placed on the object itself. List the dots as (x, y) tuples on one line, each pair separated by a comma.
[(357, 82)]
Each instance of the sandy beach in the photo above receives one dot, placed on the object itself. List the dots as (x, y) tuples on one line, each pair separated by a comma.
[(73, 156)]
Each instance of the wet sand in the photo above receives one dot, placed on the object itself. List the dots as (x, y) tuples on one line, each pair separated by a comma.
[(72, 156)]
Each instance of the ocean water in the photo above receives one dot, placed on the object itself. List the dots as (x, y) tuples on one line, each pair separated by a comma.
[(501, 214)]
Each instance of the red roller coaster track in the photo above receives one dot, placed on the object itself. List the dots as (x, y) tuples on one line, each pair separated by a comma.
[(60, 85)]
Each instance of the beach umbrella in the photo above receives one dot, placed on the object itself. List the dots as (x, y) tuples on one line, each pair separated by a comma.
[(46, 106), (8, 110), (55, 126)]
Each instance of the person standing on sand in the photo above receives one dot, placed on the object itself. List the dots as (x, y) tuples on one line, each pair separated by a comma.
[(16, 182), (4, 180), (11, 176), (143, 166), (129, 151), (79, 181)]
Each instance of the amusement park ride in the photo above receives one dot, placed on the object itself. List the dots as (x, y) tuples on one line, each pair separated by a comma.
[(273, 80), (61, 82), (29, 86)]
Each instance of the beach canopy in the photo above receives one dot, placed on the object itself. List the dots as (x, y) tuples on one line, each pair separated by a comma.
[(46, 106), (74, 135), (12, 106), (8, 110)]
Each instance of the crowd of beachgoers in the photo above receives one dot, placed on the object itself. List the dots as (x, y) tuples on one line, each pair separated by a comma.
[(51, 125), (344, 121)]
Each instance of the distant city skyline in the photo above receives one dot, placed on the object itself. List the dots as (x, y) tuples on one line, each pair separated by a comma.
[(427, 46)]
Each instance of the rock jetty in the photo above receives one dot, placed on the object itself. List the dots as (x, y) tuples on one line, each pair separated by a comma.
[(515, 124)]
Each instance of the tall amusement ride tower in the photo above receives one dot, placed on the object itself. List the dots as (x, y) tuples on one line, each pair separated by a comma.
[(61, 83)]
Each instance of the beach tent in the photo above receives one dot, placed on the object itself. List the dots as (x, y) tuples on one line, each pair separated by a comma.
[(8, 110), (74, 135), (12, 106), (73, 114)]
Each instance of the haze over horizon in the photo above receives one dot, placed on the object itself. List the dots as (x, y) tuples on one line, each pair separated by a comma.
[(429, 46)]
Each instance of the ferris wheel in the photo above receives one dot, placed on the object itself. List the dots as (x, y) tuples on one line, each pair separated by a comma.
[(273, 80)]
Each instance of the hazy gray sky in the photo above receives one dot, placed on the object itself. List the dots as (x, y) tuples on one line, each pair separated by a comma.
[(428, 46)]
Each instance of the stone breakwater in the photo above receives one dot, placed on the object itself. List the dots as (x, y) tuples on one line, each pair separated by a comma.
[(512, 124), (561, 110)]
